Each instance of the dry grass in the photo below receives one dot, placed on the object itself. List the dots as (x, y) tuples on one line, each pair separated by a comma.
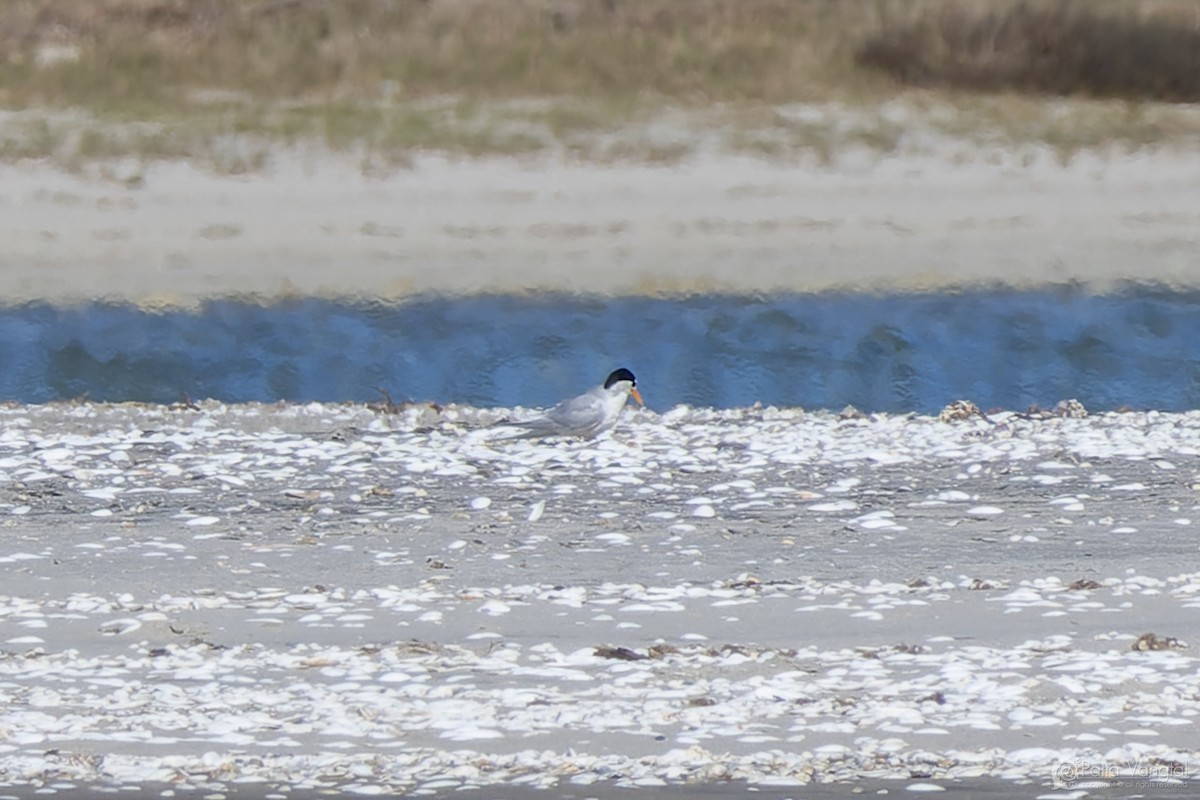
[(161, 78), (134, 54), (1134, 51)]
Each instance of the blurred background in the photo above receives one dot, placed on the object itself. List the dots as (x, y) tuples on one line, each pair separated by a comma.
[(890, 204)]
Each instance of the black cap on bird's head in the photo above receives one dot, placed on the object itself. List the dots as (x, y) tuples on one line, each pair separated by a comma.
[(622, 374), (618, 375)]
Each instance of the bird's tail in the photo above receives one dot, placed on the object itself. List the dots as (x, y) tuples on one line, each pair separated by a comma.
[(530, 429)]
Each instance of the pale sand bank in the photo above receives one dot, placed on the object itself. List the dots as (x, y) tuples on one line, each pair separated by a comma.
[(316, 225)]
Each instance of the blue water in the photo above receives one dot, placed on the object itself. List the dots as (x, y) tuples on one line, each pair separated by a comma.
[(911, 352)]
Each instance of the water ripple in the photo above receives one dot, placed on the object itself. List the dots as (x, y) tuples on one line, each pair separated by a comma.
[(905, 352)]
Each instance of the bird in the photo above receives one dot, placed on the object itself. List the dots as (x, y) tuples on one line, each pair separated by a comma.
[(586, 416)]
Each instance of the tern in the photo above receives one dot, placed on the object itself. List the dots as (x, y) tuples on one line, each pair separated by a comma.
[(586, 416)]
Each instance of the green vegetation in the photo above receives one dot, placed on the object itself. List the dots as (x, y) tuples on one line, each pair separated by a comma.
[(224, 80)]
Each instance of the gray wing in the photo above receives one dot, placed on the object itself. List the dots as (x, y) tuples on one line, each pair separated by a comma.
[(578, 416)]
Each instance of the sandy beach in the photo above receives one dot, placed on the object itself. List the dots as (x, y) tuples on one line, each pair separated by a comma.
[(322, 599), (295, 601), (315, 224)]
